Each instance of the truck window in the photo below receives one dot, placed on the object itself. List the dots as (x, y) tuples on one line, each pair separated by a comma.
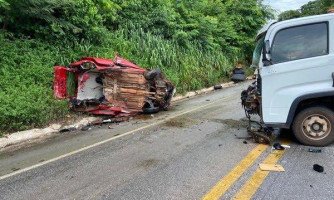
[(257, 52), (300, 42)]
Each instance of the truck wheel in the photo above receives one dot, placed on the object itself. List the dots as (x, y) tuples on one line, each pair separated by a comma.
[(314, 126)]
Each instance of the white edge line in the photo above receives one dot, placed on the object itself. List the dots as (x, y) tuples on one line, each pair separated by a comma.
[(103, 142)]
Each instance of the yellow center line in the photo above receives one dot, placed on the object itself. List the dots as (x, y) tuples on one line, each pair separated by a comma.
[(226, 182), (254, 183)]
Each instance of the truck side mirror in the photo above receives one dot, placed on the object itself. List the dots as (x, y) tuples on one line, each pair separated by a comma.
[(266, 54), (267, 47)]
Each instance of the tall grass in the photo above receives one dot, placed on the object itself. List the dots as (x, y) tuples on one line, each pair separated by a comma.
[(189, 67)]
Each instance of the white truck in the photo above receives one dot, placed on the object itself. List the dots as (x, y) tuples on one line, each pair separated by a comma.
[(295, 78)]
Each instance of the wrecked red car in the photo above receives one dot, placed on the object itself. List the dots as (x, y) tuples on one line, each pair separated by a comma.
[(112, 87)]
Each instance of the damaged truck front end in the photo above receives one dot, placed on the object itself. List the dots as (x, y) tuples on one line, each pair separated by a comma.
[(116, 87), (251, 98), (251, 101)]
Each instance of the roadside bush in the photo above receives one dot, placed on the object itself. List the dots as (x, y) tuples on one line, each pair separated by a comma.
[(26, 85)]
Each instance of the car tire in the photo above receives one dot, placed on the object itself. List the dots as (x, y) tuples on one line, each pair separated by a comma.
[(314, 126), (151, 110), (150, 75)]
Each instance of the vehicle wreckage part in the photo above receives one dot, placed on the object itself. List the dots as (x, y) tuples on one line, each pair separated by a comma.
[(89, 88), (152, 110), (87, 66), (113, 87), (278, 146), (314, 126), (251, 103), (250, 100), (318, 168), (217, 87), (313, 150), (125, 63), (126, 89), (150, 75), (238, 75), (100, 63), (60, 82), (260, 133), (149, 108), (238, 78)]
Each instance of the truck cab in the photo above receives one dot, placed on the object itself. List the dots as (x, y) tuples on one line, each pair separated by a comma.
[(295, 73)]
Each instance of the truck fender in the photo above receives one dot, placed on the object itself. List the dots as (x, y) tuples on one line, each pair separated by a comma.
[(298, 100)]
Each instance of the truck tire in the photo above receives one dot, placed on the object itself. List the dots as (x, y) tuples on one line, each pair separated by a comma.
[(314, 126)]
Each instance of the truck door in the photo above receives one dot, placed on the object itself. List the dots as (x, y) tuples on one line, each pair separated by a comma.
[(302, 62)]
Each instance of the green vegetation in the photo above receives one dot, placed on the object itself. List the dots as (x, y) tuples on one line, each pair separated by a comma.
[(312, 8), (194, 42)]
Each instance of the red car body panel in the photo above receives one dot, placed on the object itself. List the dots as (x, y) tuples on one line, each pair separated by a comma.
[(60, 81)]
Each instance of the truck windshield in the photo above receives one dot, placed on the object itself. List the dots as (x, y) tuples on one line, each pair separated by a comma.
[(258, 51)]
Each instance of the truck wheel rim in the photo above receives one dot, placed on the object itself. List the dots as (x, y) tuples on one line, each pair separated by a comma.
[(316, 127)]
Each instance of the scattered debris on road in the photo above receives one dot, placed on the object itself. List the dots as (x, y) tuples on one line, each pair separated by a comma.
[(318, 168), (271, 167), (278, 146), (243, 137), (312, 150), (116, 88), (86, 128), (218, 87), (14, 169), (67, 129)]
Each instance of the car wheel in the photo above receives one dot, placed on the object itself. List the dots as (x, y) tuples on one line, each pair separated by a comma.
[(314, 126), (150, 75), (151, 110)]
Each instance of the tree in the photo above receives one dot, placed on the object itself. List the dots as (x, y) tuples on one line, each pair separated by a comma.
[(311, 8), (3, 7), (29, 17), (60, 19), (290, 14), (247, 17), (227, 25)]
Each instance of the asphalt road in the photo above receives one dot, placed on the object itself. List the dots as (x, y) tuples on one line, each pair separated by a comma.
[(193, 151)]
